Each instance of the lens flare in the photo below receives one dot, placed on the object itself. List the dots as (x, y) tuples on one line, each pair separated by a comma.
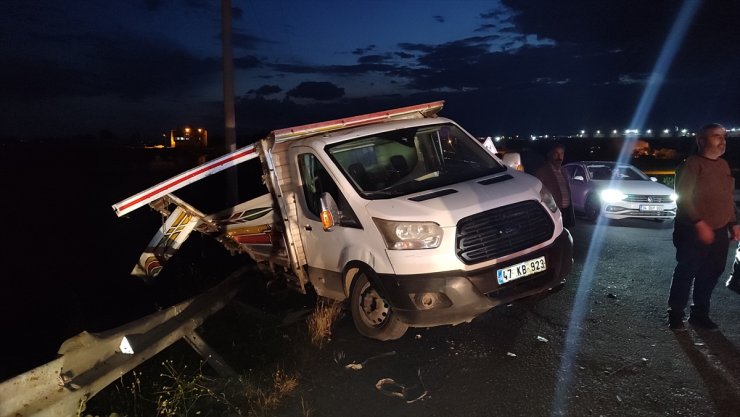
[(573, 335)]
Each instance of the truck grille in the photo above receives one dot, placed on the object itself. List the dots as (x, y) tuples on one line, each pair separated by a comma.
[(502, 231)]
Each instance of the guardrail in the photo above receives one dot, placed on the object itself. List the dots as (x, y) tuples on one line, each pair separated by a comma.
[(89, 362)]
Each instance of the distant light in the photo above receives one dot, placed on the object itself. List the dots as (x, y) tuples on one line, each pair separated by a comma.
[(649, 131), (614, 131), (598, 132), (583, 132), (666, 131), (533, 137)]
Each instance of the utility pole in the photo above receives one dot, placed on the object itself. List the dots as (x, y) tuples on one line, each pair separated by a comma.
[(229, 118)]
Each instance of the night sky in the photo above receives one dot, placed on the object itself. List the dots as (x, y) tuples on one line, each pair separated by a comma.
[(138, 68)]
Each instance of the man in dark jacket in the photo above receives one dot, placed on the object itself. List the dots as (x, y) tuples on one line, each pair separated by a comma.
[(555, 179)]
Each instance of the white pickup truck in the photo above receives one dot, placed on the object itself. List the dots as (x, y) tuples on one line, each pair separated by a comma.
[(401, 212)]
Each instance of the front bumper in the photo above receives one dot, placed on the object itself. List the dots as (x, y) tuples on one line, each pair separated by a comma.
[(623, 210), (465, 295)]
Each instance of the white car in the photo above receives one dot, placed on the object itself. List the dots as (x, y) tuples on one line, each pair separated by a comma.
[(618, 191)]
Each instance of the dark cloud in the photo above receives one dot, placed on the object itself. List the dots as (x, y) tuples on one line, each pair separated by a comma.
[(363, 51), (122, 66), (247, 61), (242, 40), (373, 59), (317, 90), (154, 5), (237, 13), (334, 69), (415, 47), (266, 90), (486, 27), (404, 55)]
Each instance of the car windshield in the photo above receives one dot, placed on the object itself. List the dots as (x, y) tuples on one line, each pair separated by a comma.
[(410, 160), (607, 171)]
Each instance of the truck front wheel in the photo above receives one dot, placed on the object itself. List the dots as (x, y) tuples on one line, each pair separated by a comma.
[(372, 315)]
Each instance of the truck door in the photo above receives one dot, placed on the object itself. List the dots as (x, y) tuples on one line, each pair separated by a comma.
[(323, 249)]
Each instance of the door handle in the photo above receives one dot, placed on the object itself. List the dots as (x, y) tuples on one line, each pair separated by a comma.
[(308, 227)]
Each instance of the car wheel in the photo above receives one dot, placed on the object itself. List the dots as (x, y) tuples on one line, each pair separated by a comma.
[(592, 208), (372, 315)]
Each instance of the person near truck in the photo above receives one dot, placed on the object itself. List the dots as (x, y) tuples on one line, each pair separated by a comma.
[(555, 179), (705, 219)]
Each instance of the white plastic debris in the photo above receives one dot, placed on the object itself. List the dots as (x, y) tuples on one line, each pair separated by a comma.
[(357, 366), (542, 339), (411, 394), (417, 337), (513, 355)]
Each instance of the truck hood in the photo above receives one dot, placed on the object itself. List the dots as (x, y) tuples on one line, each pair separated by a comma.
[(447, 205)]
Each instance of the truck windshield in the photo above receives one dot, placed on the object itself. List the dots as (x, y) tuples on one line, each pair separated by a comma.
[(410, 160)]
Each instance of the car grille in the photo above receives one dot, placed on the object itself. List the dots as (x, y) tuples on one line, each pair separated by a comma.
[(637, 198), (502, 231)]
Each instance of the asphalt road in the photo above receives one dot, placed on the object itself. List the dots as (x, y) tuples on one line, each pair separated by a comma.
[(623, 361)]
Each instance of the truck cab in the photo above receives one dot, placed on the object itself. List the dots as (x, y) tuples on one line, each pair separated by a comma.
[(428, 227)]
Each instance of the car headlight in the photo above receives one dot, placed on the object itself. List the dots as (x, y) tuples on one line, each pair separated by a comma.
[(674, 197), (548, 200), (612, 196), (409, 235)]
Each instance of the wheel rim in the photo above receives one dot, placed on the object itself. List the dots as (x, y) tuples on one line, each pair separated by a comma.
[(374, 310)]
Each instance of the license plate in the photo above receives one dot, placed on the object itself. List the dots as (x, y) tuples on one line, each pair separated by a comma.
[(650, 207), (521, 270)]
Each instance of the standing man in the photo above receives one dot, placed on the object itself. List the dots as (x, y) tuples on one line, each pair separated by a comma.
[(555, 179), (704, 220)]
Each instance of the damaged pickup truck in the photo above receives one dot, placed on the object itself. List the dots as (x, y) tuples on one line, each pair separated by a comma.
[(402, 213)]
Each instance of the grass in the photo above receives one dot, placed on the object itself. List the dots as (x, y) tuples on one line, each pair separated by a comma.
[(321, 321)]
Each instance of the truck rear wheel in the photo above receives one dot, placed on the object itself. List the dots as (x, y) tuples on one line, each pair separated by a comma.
[(372, 315)]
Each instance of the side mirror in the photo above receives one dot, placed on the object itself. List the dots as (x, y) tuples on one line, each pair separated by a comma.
[(579, 178), (329, 211)]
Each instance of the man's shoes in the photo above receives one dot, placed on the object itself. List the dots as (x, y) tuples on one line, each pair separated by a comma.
[(675, 323), (703, 322), (733, 285)]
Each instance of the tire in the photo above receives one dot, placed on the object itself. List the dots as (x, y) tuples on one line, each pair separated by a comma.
[(372, 315), (592, 208)]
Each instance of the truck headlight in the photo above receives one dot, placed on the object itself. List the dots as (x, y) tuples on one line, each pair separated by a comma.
[(409, 235), (674, 197), (548, 200), (611, 195)]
